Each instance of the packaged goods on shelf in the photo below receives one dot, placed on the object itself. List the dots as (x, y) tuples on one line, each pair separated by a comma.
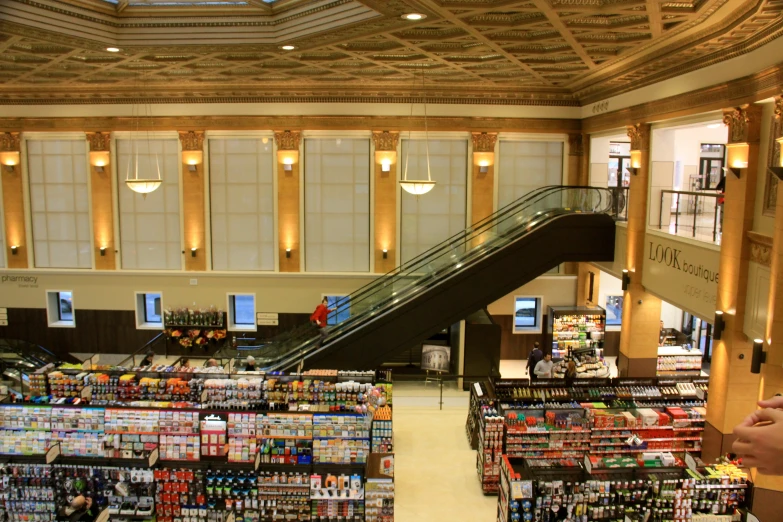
[(30, 495), (337, 497), (379, 500), (285, 438), (341, 438), (490, 448), (38, 385), (620, 492), (285, 494), (179, 435), (242, 442), (62, 385), (213, 429), (382, 436), (575, 329), (229, 393)]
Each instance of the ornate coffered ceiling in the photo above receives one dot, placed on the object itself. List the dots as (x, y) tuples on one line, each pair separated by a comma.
[(541, 52)]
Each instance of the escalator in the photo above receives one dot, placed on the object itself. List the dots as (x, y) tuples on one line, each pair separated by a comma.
[(454, 279)]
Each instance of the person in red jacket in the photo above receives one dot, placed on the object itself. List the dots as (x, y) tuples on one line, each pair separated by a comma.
[(319, 318)]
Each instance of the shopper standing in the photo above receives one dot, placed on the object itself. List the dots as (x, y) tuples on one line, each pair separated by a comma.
[(147, 361), (543, 368), (535, 355), (318, 319), (570, 374)]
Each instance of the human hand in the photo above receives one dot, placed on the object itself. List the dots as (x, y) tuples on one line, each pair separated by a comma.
[(772, 402), (88, 501), (760, 441)]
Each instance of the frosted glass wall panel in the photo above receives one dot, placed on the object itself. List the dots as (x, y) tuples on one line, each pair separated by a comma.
[(434, 217), (337, 205), (59, 203), (524, 166), (150, 235), (242, 204)]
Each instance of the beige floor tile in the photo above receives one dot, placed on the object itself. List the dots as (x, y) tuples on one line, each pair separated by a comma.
[(435, 469)]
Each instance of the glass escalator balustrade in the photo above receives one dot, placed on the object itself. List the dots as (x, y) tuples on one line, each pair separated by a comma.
[(441, 261)]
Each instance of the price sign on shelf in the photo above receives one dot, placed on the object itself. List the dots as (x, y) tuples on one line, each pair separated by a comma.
[(103, 517), (258, 460), (690, 462), (700, 394), (231, 517), (86, 393), (53, 453), (153, 459), (588, 464)]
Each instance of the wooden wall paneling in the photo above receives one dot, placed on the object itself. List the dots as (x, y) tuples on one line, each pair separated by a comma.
[(13, 209), (385, 217), (517, 346), (193, 200)]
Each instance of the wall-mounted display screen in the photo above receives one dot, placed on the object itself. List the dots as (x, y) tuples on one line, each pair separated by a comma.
[(527, 314), (614, 309)]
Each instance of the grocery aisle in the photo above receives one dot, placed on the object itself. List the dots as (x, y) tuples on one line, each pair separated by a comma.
[(435, 469)]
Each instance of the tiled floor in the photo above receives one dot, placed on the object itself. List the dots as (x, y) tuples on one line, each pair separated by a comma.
[(435, 469)]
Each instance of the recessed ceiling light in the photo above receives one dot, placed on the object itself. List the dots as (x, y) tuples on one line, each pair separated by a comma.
[(113, 49), (288, 47), (414, 16)]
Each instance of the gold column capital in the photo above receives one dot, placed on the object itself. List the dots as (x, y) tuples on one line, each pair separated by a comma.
[(779, 107), (576, 144), (10, 141), (744, 123), (99, 141), (385, 140), (640, 136), (192, 140), (287, 140), (484, 141)]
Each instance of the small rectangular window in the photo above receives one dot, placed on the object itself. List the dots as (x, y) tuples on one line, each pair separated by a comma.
[(60, 312), (342, 306), (152, 308), (149, 306), (527, 314), (241, 311), (65, 310)]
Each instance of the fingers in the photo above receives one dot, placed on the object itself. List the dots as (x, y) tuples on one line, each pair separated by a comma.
[(769, 414), (772, 402), (743, 448), (748, 421)]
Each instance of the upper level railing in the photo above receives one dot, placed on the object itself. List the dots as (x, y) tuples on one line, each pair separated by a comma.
[(693, 214)]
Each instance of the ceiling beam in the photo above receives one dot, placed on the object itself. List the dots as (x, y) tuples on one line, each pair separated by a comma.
[(48, 65), (654, 18), (454, 19), (558, 24)]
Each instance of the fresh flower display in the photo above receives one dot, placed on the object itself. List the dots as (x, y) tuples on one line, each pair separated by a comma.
[(211, 316)]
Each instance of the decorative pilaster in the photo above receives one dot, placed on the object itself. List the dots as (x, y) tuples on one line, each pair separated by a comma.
[(733, 389), (385, 144), (193, 197), (483, 176), (13, 200), (102, 201), (641, 311), (289, 248)]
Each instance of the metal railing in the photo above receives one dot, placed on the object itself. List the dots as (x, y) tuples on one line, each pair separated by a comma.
[(687, 208)]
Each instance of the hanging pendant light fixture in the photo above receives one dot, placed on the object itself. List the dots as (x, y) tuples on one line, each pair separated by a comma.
[(417, 187), (146, 184)]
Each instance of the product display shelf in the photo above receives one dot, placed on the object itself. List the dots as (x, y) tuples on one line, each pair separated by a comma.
[(601, 493), (677, 360), (578, 328), (490, 449)]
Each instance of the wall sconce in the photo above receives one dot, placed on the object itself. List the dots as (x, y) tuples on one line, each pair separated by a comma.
[(385, 158), (484, 167), (626, 279), (385, 165), (9, 159), (718, 325), (103, 251), (193, 252), (385, 253), (734, 170), (287, 158), (633, 170), (99, 159), (14, 249), (759, 356), (483, 160), (288, 253), (191, 158)]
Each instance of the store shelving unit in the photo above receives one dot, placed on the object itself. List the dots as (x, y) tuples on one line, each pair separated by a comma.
[(575, 328), (676, 360)]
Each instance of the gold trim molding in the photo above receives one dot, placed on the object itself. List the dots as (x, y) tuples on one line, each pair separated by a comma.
[(99, 141), (576, 145), (760, 248), (484, 142), (10, 141), (741, 128), (385, 140), (640, 136), (288, 140), (192, 140)]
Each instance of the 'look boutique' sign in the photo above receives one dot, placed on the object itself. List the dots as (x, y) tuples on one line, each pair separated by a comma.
[(682, 273)]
